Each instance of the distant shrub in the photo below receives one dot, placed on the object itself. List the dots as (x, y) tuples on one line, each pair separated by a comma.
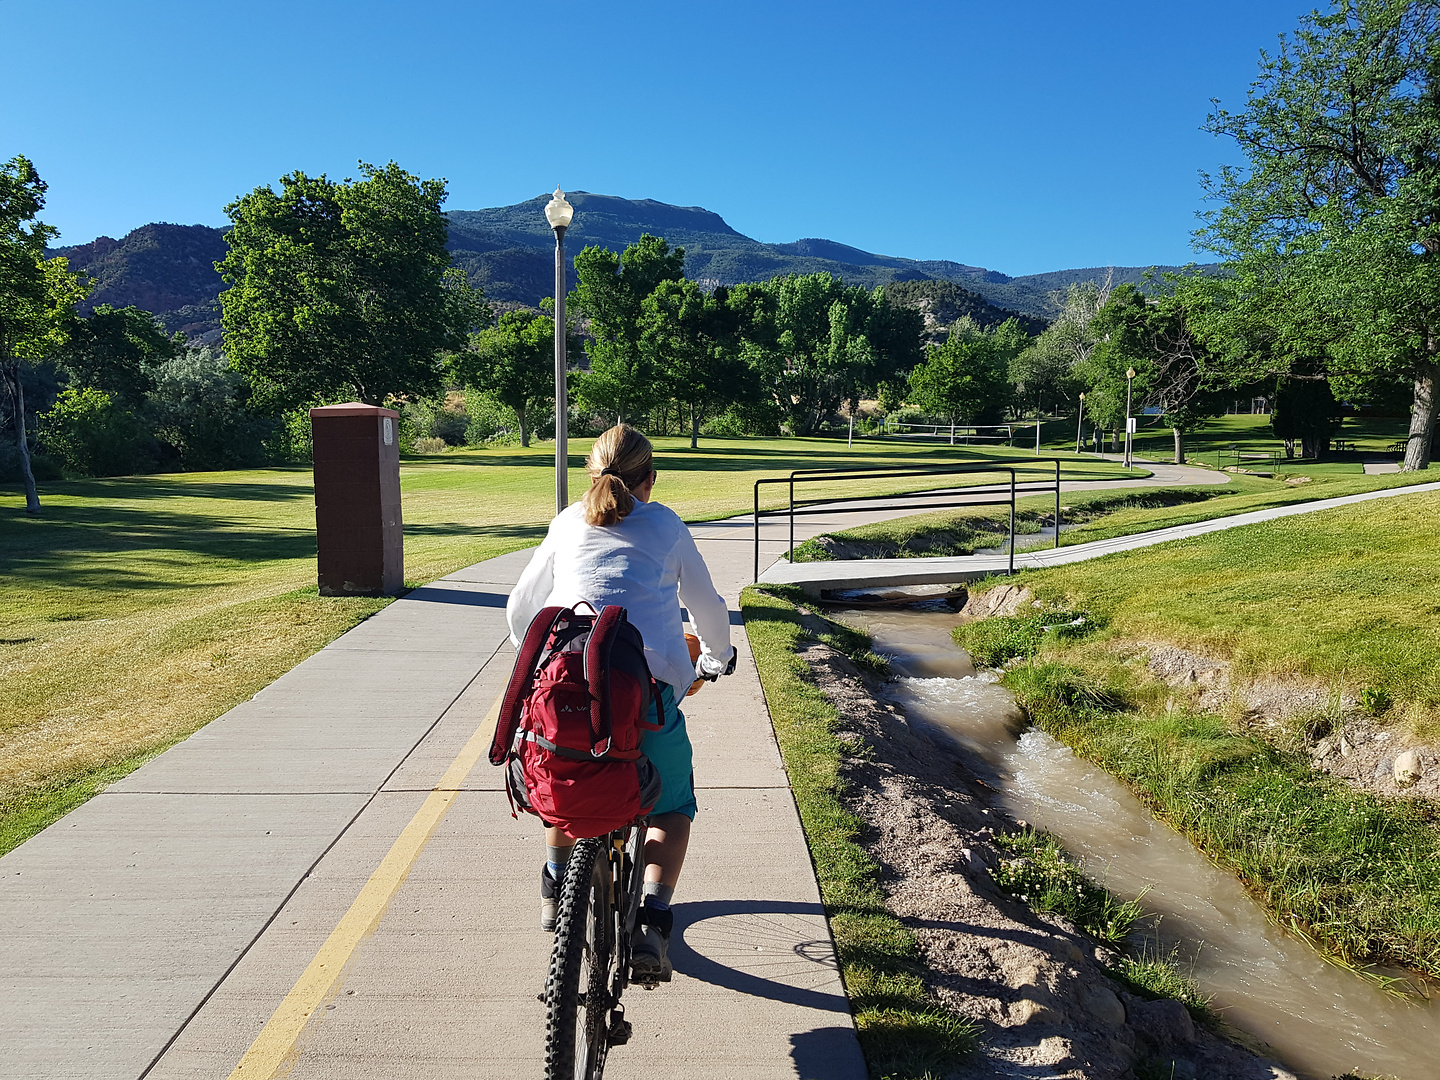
[(42, 466), (486, 417), (289, 441), (198, 410), (757, 418), (430, 445), (94, 435)]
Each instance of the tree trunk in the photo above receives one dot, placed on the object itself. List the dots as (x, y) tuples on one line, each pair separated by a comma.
[(1311, 446), (1179, 446), (16, 389), (694, 426), (524, 431), (1422, 416)]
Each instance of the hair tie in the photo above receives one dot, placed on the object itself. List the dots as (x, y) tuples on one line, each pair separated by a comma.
[(610, 470)]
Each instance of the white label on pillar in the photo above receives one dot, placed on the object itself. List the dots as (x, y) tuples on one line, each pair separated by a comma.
[(389, 432)]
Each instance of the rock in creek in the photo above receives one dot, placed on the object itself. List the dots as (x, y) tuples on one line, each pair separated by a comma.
[(1166, 1023)]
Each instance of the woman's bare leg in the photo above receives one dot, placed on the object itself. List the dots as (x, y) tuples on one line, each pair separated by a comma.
[(665, 844)]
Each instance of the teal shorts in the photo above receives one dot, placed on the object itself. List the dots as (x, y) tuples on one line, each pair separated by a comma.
[(669, 751)]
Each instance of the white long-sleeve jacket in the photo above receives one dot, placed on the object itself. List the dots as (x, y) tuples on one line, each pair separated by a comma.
[(648, 564)]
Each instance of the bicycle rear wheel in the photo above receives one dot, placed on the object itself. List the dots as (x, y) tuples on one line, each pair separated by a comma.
[(577, 991)]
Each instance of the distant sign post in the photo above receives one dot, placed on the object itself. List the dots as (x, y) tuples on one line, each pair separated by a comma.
[(357, 500)]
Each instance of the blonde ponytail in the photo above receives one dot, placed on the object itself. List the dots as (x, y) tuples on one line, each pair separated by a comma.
[(620, 460)]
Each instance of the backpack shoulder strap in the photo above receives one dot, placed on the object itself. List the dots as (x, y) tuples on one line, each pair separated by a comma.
[(521, 680), (597, 675)]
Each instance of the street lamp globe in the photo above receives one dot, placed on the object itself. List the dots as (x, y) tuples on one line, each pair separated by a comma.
[(558, 212), (1129, 372)]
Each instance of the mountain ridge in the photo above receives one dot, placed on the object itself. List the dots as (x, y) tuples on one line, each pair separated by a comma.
[(509, 251)]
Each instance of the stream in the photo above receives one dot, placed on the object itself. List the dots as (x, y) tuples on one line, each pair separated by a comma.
[(1317, 1019)]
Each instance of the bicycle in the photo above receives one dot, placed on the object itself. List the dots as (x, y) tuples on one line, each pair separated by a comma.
[(590, 961)]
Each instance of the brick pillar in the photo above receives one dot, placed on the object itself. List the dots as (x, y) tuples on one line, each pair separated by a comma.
[(357, 500)]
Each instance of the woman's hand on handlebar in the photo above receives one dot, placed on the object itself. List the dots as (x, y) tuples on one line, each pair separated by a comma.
[(710, 669)]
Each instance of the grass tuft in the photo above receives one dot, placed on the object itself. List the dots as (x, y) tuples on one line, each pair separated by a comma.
[(995, 640), (904, 1032), (1040, 873), (1153, 976)]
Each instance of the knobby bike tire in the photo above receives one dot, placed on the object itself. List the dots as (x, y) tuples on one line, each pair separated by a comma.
[(577, 1002)]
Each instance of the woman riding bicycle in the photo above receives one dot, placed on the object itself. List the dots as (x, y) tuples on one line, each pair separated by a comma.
[(616, 546)]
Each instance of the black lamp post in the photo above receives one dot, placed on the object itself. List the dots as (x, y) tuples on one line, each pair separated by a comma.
[(1129, 420), (558, 213)]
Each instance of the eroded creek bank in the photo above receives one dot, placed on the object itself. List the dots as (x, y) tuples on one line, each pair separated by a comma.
[(951, 760)]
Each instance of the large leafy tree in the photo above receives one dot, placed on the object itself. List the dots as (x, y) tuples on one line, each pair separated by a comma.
[(965, 379), (1173, 372), (515, 361), (813, 342), (691, 341), (611, 291), (1333, 224), (118, 350), (37, 297), (343, 289), (1045, 370)]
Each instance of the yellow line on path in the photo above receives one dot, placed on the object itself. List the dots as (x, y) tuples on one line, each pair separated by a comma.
[(274, 1048)]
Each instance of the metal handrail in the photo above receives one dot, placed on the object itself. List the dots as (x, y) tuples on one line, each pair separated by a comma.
[(959, 497)]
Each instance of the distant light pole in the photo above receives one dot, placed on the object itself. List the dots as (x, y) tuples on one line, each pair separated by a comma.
[(1038, 401), (1129, 420), (1080, 422), (558, 213)]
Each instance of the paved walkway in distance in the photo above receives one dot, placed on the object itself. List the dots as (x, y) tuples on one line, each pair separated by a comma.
[(818, 577)]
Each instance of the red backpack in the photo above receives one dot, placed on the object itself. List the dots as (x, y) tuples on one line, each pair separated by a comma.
[(572, 720)]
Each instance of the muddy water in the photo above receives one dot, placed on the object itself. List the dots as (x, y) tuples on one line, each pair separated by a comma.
[(1317, 1019)]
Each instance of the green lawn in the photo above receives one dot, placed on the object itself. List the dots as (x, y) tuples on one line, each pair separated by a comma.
[(137, 609), (1340, 595), (1211, 445)]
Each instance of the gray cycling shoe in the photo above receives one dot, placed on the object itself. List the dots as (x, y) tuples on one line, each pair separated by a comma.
[(549, 899), (650, 946)]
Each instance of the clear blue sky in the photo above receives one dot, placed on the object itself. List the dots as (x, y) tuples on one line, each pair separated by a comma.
[(1018, 136)]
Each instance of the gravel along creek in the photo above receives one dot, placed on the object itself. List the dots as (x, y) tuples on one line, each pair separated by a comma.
[(1319, 1020)]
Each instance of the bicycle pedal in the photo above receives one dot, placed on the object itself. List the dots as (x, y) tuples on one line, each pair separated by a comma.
[(620, 1030)]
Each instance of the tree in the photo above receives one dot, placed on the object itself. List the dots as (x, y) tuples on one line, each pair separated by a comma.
[(37, 296), (1338, 207), (343, 289), (1305, 410), (812, 342), (95, 434), (515, 361), (611, 291), (691, 343), (965, 378), (117, 350), (1156, 337)]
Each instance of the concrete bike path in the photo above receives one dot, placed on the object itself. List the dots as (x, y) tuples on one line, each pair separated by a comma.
[(298, 846), (158, 930)]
